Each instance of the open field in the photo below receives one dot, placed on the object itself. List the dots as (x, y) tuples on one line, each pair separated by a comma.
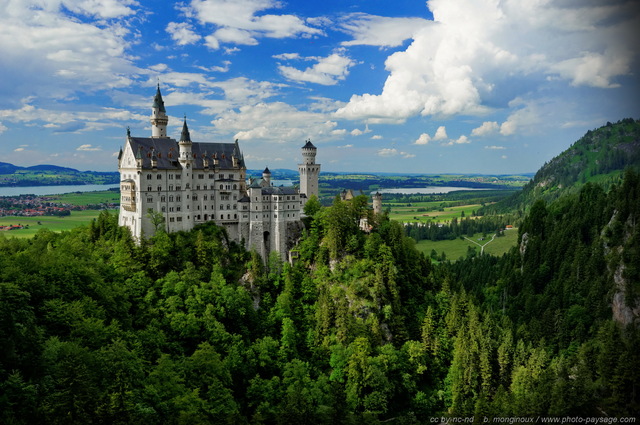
[(55, 224), (86, 198), (457, 248), (419, 212)]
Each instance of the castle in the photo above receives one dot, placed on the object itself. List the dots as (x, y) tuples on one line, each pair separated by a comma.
[(176, 185)]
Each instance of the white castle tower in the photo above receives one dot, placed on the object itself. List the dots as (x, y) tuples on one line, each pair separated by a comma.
[(377, 203), (309, 170), (159, 118)]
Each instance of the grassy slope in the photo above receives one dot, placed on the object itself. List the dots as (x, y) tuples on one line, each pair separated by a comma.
[(87, 198), (55, 224), (457, 248)]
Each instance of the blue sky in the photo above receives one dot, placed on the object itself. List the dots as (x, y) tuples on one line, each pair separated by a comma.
[(443, 86)]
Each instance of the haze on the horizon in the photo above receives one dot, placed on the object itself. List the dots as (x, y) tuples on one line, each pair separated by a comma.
[(446, 86)]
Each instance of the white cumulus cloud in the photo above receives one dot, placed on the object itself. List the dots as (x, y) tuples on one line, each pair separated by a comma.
[(487, 128), (182, 33), (327, 71), (423, 139), (460, 62)]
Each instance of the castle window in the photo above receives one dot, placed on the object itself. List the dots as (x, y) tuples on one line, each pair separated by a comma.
[(170, 187), (149, 188), (178, 187), (148, 176), (159, 177), (178, 176), (235, 187), (170, 176), (235, 206), (198, 187), (178, 208), (235, 216), (200, 176), (205, 197), (178, 218), (221, 187), (163, 198), (170, 209), (149, 199), (188, 185), (198, 208), (221, 216), (228, 216), (163, 209), (195, 197), (171, 219), (230, 176), (159, 188), (170, 198), (178, 198), (211, 176)]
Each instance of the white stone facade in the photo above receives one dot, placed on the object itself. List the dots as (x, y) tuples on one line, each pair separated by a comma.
[(179, 184)]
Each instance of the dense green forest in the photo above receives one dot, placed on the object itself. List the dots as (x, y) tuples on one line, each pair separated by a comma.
[(191, 328)]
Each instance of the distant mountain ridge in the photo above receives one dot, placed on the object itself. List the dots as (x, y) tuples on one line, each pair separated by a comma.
[(6, 168), (599, 156)]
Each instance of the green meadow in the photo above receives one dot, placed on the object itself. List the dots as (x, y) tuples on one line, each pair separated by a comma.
[(54, 224), (454, 249), (424, 212), (86, 198)]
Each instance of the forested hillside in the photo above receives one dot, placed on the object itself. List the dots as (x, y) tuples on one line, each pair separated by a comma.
[(191, 328), (599, 156)]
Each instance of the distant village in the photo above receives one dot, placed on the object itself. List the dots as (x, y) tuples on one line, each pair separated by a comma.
[(34, 206)]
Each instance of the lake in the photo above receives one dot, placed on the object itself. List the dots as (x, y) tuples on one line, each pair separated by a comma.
[(427, 190), (54, 190)]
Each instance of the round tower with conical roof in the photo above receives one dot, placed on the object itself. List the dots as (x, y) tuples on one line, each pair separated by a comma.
[(185, 144), (377, 203), (309, 170), (266, 176), (159, 118)]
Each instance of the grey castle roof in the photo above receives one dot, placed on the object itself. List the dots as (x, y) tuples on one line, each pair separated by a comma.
[(167, 152), (273, 190), (309, 145), (266, 171)]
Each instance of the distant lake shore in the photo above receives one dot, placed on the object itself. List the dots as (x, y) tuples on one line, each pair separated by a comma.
[(54, 190), (428, 190)]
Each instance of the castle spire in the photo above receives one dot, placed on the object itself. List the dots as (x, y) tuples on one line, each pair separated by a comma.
[(157, 100), (159, 118), (185, 137), (185, 144)]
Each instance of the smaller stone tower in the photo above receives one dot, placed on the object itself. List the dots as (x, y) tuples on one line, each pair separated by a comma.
[(377, 203), (309, 170), (266, 176), (159, 118), (185, 144)]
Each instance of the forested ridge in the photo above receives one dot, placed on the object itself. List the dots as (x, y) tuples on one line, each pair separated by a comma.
[(191, 328), (599, 156)]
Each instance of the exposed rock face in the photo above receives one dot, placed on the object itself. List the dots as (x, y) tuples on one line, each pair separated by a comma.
[(625, 312)]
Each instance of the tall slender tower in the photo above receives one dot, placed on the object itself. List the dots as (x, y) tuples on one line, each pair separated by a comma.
[(309, 170), (377, 203), (159, 118)]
